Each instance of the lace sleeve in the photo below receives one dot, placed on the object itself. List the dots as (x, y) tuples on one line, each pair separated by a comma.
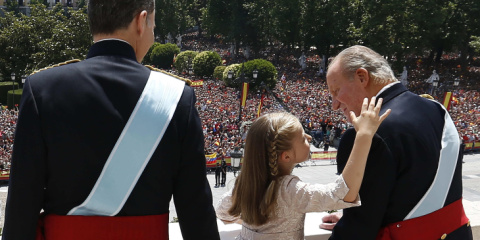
[(222, 207), (317, 197)]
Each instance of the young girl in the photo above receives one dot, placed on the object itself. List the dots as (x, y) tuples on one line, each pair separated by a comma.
[(270, 202)]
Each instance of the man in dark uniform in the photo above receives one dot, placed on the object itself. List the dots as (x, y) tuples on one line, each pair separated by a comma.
[(224, 172), (70, 119), (412, 188), (218, 170)]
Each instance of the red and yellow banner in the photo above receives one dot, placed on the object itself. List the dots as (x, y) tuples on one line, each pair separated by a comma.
[(260, 106), (244, 94), (447, 100), (198, 83), (324, 155)]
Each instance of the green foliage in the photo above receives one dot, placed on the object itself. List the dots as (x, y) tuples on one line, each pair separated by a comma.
[(175, 17), (218, 72), (148, 57), (205, 63), (235, 68), (163, 54), (44, 38), (184, 60), (475, 44), (82, 4), (12, 5), (4, 88), (44, 2), (267, 73), (13, 97)]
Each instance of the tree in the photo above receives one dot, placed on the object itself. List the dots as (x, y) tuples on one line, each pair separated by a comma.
[(267, 73), (162, 55), (184, 60), (234, 69), (47, 37), (218, 72), (326, 24), (205, 63), (70, 38), (475, 44), (148, 56)]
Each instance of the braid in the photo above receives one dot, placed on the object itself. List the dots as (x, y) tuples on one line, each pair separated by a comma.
[(272, 163)]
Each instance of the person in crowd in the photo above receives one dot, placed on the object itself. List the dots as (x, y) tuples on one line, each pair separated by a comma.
[(414, 173), (224, 172), (102, 145), (268, 199), (218, 170)]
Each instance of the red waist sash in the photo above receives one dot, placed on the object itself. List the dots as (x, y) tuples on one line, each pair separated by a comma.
[(430, 226), (56, 227)]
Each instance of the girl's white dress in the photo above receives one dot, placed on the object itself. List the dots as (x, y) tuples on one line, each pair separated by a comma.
[(295, 198)]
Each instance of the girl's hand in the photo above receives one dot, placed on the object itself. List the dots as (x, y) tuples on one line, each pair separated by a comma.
[(369, 121)]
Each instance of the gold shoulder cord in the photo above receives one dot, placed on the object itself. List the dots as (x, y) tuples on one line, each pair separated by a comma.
[(187, 81), (57, 65)]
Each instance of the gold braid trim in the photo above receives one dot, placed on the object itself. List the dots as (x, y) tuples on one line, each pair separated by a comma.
[(57, 65), (187, 81)]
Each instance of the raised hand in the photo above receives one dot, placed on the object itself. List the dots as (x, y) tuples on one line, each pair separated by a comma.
[(369, 120)]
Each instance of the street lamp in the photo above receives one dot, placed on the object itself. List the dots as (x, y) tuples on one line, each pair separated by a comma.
[(230, 75), (236, 157), (255, 74), (13, 88)]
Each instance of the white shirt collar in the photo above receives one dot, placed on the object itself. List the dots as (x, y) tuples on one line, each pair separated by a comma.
[(386, 87), (117, 39)]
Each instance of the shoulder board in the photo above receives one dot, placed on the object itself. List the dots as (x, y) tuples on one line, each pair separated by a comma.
[(187, 81), (57, 65)]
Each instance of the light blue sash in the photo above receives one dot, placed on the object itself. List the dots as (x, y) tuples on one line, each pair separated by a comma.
[(138, 141), (435, 197)]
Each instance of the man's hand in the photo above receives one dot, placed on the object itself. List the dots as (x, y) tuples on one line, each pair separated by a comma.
[(330, 220)]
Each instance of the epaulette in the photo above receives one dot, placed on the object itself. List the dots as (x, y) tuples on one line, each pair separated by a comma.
[(427, 96), (57, 65), (187, 81)]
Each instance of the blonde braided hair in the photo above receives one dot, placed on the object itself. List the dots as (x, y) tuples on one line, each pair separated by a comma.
[(254, 196), (272, 155)]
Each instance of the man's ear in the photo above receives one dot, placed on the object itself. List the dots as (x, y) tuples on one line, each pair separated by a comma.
[(141, 22), (363, 76)]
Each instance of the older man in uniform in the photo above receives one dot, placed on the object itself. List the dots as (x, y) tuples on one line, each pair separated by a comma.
[(102, 145), (412, 188)]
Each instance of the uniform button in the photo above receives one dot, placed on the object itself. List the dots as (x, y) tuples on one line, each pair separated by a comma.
[(444, 236), (398, 225)]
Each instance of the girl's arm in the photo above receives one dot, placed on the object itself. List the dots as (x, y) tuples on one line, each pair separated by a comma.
[(366, 125)]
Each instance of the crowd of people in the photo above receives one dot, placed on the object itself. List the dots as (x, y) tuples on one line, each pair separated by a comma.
[(8, 121), (303, 92)]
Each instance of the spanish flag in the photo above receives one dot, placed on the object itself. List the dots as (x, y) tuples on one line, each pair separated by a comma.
[(260, 107), (447, 100), (244, 94), (198, 83)]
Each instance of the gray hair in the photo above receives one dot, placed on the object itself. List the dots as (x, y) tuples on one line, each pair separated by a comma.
[(357, 56)]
